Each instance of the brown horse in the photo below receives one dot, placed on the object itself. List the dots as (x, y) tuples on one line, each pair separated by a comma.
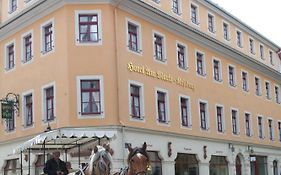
[(138, 161), (100, 162)]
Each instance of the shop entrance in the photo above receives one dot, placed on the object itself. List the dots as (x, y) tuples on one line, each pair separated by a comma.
[(186, 164)]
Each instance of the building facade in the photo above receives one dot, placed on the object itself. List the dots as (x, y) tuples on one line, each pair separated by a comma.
[(198, 85)]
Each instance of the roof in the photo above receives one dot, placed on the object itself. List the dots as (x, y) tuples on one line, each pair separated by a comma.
[(65, 138)]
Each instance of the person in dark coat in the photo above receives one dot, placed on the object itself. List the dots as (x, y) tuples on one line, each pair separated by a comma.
[(55, 166)]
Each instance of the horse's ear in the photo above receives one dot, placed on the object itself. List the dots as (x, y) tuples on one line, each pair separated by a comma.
[(130, 148), (96, 149), (144, 146)]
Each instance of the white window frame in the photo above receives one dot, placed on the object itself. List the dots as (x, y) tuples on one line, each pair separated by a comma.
[(139, 36), (262, 53), (207, 115), (279, 101), (10, 12), (247, 81), (228, 31), (167, 106), (179, 7), (222, 118), (254, 45), (23, 36), (185, 55), (220, 80), (189, 119), (260, 88), (272, 127), (213, 21), (271, 60), (269, 97), (83, 12), (6, 61), (237, 120), (197, 14), (42, 38), (142, 104), (43, 102), (156, 1), (24, 94), (234, 76), (250, 123), (165, 60), (203, 63), (78, 92), (241, 35), (262, 125)]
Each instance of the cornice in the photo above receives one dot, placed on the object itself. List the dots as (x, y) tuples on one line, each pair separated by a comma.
[(179, 28)]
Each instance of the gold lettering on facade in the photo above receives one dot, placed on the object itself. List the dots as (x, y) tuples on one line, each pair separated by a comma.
[(145, 70)]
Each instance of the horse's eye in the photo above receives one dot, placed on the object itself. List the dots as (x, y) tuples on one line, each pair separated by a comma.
[(132, 160)]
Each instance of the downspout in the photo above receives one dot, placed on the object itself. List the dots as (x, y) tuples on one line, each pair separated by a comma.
[(117, 79)]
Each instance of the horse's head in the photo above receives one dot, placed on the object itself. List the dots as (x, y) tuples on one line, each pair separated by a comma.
[(138, 160), (101, 160)]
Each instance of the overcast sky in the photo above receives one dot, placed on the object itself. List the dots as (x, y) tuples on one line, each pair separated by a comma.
[(263, 16)]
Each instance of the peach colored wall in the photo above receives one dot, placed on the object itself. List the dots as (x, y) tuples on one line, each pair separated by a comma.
[(205, 88)]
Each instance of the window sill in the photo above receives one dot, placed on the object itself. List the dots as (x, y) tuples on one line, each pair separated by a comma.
[(88, 43)]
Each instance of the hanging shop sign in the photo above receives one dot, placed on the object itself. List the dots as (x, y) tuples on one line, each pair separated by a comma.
[(145, 70)]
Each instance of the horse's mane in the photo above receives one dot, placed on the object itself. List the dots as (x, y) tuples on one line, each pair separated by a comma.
[(135, 151)]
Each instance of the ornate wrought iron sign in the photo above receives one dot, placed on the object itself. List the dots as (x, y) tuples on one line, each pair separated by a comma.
[(9, 105)]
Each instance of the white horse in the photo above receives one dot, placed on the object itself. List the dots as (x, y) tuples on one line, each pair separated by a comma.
[(100, 162)]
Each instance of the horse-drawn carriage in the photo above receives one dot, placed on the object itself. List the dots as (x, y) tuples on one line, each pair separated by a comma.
[(100, 162)]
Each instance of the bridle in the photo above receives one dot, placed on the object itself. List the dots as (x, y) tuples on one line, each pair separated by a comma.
[(101, 161), (140, 172), (134, 153)]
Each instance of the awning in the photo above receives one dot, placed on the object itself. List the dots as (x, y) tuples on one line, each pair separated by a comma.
[(65, 138)]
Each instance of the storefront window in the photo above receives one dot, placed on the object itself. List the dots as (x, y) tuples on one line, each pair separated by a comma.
[(258, 165), (186, 164), (155, 164), (218, 165), (12, 167)]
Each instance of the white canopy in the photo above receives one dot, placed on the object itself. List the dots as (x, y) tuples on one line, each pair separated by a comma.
[(65, 138)]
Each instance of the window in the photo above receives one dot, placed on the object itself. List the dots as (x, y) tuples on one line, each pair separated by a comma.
[(47, 32), (28, 109), (267, 90), (186, 164), (13, 5), (182, 56), (277, 94), (270, 128), (217, 70), (156, 1), (136, 100), (176, 5), (226, 31), (245, 81), (90, 96), (248, 124), (134, 36), (155, 163), (279, 130), (185, 112), (258, 86), (252, 46), (159, 48), (275, 167), (211, 23), (261, 51), (162, 107), (235, 122), (10, 56), (220, 119), (231, 76), (27, 51), (200, 60), (218, 165), (10, 123), (203, 116), (194, 14), (239, 39), (48, 102), (260, 127), (12, 167), (271, 58)]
